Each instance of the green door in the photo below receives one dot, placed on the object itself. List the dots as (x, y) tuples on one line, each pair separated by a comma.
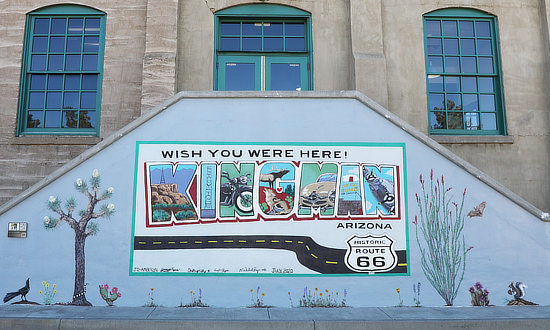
[(286, 74)]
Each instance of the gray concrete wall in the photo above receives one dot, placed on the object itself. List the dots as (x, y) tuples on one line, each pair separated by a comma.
[(26, 159)]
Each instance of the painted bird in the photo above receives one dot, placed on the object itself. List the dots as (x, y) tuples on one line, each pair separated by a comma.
[(23, 292)]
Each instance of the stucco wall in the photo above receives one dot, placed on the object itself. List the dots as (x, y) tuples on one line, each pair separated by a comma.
[(24, 160)]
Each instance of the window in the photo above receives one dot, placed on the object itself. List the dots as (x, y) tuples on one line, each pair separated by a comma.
[(62, 71), (463, 73), (262, 47)]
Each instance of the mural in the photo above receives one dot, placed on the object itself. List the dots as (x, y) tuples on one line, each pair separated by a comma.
[(83, 228), (289, 209)]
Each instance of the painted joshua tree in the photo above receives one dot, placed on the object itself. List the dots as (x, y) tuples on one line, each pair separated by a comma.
[(83, 228), (442, 244)]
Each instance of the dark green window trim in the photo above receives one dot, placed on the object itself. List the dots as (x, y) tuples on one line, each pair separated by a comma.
[(292, 45), (62, 71), (463, 73)]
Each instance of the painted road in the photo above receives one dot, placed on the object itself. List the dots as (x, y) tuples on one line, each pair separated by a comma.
[(316, 257)]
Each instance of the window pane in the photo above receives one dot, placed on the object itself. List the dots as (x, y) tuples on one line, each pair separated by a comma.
[(75, 25), (34, 119), (454, 102), (470, 102), (89, 82), (435, 64), (434, 46), (466, 28), (59, 25), (254, 29), (438, 120), (488, 121), (469, 84), (485, 64), (455, 120), (74, 44), (38, 62), (38, 81), (467, 47), (73, 63), (295, 44), (273, 44), (449, 28), (53, 119), (41, 26), (433, 28), (469, 65), (72, 81), (55, 81), (91, 44), (484, 47), (53, 100), (471, 120), (285, 76), (435, 83), (70, 119), (91, 26), (70, 100), (55, 63), (294, 29), (230, 44), (36, 100), (483, 29), (240, 76), (252, 44), (230, 29), (452, 84), (88, 100), (450, 46), (57, 44), (40, 44), (487, 102), (437, 101), (486, 85), (273, 29), (452, 65), (87, 119), (89, 62)]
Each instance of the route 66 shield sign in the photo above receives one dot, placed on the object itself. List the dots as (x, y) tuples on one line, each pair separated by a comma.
[(370, 253)]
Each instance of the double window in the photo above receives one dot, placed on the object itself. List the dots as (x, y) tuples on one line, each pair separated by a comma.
[(463, 73), (62, 71), (262, 47)]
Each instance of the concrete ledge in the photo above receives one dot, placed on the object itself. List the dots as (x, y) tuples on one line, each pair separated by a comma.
[(475, 139), (55, 140)]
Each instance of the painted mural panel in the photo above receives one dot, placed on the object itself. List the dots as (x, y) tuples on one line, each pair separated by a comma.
[(269, 209)]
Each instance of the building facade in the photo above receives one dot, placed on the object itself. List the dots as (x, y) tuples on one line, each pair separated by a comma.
[(480, 89)]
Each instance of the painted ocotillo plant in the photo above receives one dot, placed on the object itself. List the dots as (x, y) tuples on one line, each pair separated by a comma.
[(83, 228), (442, 244)]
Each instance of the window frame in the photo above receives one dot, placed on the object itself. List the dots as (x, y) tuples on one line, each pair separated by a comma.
[(60, 11), (458, 15), (261, 13)]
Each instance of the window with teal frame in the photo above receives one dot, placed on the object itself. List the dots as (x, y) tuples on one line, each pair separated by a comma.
[(262, 47), (61, 74), (463, 73)]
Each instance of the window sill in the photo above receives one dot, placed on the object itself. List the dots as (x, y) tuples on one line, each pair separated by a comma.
[(55, 140), (473, 139)]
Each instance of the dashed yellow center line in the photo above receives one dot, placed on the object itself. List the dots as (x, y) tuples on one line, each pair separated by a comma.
[(242, 241), (401, 264), (157, 242), (288, 241), (142, 242), (307, 247), (274, 241), (331, 262), (212, 241), (171, 242), (314, 256), (260, 241), (184, 242), (300, 242), (198, 242), (230, 241)]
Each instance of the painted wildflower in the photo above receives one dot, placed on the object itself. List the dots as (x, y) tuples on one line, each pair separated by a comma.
[(95, 173)]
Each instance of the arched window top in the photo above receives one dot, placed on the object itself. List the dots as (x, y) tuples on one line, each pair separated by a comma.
[(264, 10), (66, 9), (459, 12)]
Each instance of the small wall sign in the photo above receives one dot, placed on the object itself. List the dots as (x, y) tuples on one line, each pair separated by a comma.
[(17, 229)]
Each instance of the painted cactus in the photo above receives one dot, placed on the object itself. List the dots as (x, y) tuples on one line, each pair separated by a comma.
[(109, 297)]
